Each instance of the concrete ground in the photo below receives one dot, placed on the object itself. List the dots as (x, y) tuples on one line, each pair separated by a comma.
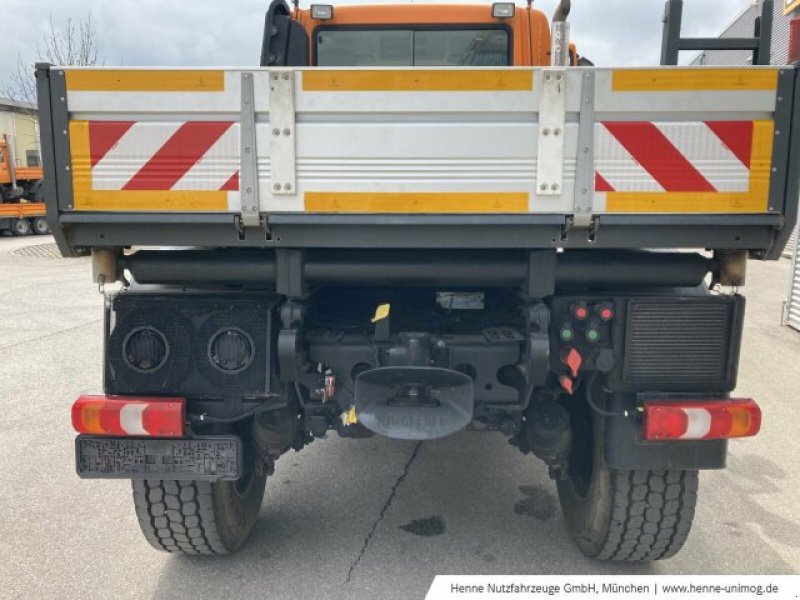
[(347, 519)]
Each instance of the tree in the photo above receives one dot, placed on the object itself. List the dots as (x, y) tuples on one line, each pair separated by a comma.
[(74, 44)]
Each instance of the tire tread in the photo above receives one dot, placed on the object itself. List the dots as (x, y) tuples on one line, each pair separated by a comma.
[(163, 508), (651, 514)]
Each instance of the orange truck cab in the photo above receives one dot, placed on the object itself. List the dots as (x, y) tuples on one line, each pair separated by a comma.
[(407, 35)]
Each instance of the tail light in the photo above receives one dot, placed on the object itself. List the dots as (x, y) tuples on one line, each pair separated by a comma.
[(701, 420), (119, 416)]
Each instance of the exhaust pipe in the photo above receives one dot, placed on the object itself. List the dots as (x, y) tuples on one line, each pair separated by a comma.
[(562, 11), (559, 48)]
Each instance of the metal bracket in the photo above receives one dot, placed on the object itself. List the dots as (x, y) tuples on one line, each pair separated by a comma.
[(584, 168), (250, 205), (590, 230), (731, 268), (537, 317), (282, 133), (541, 279), (552, 117)]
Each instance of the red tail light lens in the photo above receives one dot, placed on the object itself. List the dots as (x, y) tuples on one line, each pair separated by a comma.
[(701, 420), (117, 416)]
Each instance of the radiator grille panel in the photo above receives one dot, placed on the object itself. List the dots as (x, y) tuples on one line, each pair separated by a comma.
[(679, 342)]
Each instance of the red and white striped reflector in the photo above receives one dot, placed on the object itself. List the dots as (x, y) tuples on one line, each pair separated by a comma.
[(701, 420), (156, 156), (117, 416), (696, 156)]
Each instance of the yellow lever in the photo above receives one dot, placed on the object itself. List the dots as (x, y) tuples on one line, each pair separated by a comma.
[(381, 312)]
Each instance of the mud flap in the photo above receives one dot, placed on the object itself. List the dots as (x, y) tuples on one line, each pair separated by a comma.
[(414, 403)]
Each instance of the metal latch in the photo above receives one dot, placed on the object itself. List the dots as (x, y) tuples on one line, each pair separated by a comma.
[(590, 229)]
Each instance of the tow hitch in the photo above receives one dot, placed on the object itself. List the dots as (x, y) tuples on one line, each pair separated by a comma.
[(411, 400), (414, 403)]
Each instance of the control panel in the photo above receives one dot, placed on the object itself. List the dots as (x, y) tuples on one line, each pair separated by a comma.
[(582, 337)]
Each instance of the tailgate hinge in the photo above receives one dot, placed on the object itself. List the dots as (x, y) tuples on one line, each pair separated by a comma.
[(264, 223), (590, 228)]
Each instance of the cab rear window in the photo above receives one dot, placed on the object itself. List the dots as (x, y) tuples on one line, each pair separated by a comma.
[(412, 47)]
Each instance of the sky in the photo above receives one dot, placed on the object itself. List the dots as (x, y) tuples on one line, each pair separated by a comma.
[(228, 32)]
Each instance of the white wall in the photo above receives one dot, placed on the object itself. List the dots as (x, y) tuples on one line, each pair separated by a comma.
[(23, 134)]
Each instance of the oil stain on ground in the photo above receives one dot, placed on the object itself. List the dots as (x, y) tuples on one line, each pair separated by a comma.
[(425, 527), (538, 503)]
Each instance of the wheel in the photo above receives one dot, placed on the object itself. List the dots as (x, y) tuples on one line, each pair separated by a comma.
[(21, 227), (40, 226), (622, 515), (36, 193), (198, 517)]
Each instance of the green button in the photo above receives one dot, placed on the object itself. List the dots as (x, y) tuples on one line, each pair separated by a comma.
[(566, 334), (592, 335)]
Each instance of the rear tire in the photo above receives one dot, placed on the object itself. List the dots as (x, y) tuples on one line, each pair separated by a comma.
[(641, 515), (198, 517), (40, 226), (21, 227)]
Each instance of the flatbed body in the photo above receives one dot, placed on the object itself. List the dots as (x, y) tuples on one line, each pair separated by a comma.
[(386, 157)]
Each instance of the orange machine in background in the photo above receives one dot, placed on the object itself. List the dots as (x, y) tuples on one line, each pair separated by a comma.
[(22, 208)]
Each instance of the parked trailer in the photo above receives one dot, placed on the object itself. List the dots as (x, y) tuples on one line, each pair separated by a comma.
[(22, 210), (23, 219), (414, 251)]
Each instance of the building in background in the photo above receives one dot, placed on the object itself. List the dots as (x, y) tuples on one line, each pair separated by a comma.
[(19, 121), (744, 26)]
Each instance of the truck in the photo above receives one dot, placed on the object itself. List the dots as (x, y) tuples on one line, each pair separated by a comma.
[(21, 195), (410, 221)]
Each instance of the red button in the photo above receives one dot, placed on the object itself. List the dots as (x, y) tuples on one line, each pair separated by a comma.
[(580, 311), (606, 314)]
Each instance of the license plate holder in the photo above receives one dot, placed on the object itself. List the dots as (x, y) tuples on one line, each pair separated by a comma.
[(212, 458)]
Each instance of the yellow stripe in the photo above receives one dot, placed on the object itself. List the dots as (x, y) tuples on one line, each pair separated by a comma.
[(683, 202), (320, 80), (755, 200), (168, 201), (681, 80), (124, 80), (85, 198), (433, 202)]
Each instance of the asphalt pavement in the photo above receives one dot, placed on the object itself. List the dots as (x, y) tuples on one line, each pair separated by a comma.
[(347, 518)]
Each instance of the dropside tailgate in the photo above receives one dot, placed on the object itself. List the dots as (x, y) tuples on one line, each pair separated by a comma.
[(515, 157)]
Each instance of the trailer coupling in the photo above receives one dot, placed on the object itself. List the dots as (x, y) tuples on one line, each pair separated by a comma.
[(414, 403)]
